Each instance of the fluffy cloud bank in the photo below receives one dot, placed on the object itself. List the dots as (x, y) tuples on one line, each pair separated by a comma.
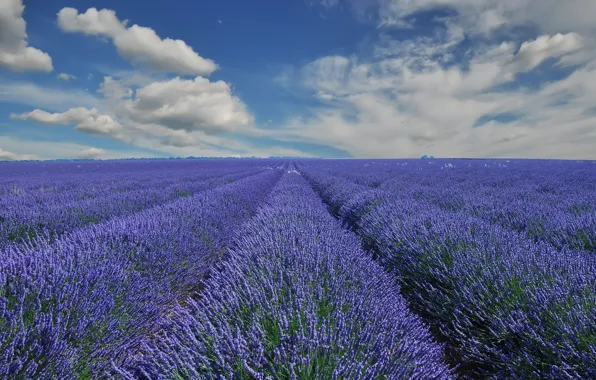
[(15, 52), (189, 105), (136, 43), (173, 112)]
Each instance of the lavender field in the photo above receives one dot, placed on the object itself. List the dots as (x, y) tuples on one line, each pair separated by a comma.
[(298, 269)]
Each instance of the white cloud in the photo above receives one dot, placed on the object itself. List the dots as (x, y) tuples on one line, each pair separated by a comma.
[(92, 121), (131, 77), (179, 117), (486, 16), (553, 16), (49, 98), (426, 94), (173, 113), (407, 98), (419, 64), (9, 156), (230, 148), (88, 120), (91, 153), (136, 43), (189, 105), (50, 150), (92, 22), (533, 53), (15, 53), (66, 77), (406, 102), (114, 89)]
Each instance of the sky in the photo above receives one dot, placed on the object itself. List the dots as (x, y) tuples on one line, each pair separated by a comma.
[(316, 78)]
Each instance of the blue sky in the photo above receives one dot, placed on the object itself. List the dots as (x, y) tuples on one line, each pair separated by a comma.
[(333, 78)]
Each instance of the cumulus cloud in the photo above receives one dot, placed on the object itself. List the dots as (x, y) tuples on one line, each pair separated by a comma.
[(66, 77), (175, 113), (91, 153), (136, 43), (92, 22), (177, 116), (15, 53), (87, 120), (189, 105)]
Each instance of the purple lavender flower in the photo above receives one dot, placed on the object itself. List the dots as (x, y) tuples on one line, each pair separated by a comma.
[(296, 298)]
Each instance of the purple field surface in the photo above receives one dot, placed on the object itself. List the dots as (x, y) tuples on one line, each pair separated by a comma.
[(298, 269)]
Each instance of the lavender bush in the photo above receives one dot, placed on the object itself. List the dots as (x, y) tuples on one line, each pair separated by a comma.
[(297, 299), (507, 305), (27, 215), (183, 269), (71, 307)]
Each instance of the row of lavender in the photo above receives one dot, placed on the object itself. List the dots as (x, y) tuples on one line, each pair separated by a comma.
[(74, 306), (51, 202), (550, 201), (507, 304), (297, 298), (85, 180)]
